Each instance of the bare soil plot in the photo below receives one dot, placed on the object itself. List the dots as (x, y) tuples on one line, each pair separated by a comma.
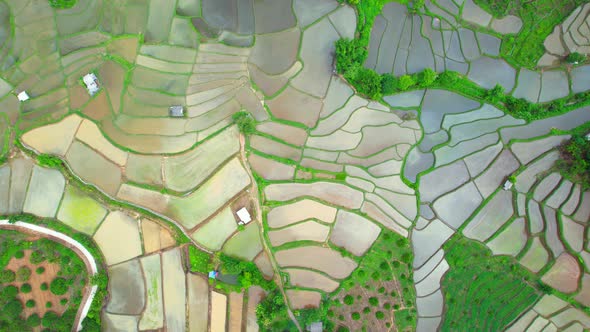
[(339, 140), (93, 168), (174, 288), (211, 195), (144, 197), (153, 314), (146, 78), (187, 171), (564, 274), (118, 238), (97, 108), (151, 126), (20, 175), (317, 48), (584, 295), (264, 264), (182, 33), (218, 311), (169, 53), (89, 133), (309, 230), (255, 295), (144, 169), (125, 47), (290, 102), (319, 258), (53, 138), (311, 279), (198, 302), (274, 148), (489, 219), (573, 233), (119, 323), (44, 193), (245, 244), (155, 237), (301, 299), (112, 77), (330, 192), (302, 210), (80, 211), (289, 134), (536, 257), (151, 144), (127, 289), (236, 302), (276, 53), (215, 232), (160, 17), (354, 233), (4, 188), (270, 169), (511, 240)]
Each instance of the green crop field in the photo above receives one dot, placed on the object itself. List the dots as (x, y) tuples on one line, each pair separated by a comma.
[(483, 293)]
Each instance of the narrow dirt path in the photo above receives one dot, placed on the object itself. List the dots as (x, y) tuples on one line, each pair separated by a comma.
[(255, 198), (72, 244)]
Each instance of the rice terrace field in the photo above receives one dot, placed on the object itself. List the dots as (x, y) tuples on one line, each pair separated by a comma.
[(294, 165)]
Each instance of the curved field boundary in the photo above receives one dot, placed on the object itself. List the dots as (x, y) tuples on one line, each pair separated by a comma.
[(72, 244)]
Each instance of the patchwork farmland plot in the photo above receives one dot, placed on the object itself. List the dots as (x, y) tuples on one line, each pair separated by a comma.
[(438, 207)]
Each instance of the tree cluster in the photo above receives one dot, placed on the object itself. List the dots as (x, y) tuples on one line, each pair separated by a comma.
[(575, 160)]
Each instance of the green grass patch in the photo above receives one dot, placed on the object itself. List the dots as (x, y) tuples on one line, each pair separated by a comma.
[(484, 292), (574, 164), (539, 17), (62, 4)]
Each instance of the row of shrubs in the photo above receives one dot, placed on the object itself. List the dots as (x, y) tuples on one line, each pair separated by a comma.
[(351, 54)]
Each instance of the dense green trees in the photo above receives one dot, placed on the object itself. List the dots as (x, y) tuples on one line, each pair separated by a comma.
[(245, 122), (575, 160), (575, 58), (271, 313), (59, 286), (7, 276), (366, 81), (350, 54)]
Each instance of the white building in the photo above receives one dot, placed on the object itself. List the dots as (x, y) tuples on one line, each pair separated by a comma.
[(23, 96), (91, 82), (244, 216)]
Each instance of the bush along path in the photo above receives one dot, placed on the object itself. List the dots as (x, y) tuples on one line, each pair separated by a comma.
[(76, 247)]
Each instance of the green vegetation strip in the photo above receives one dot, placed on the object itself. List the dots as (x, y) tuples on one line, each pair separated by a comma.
[(62, 4), (482, 292)]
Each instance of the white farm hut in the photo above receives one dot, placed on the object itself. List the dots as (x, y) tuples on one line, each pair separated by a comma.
[(91, 82), (176, 111), (23, 96), (244, 216)]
